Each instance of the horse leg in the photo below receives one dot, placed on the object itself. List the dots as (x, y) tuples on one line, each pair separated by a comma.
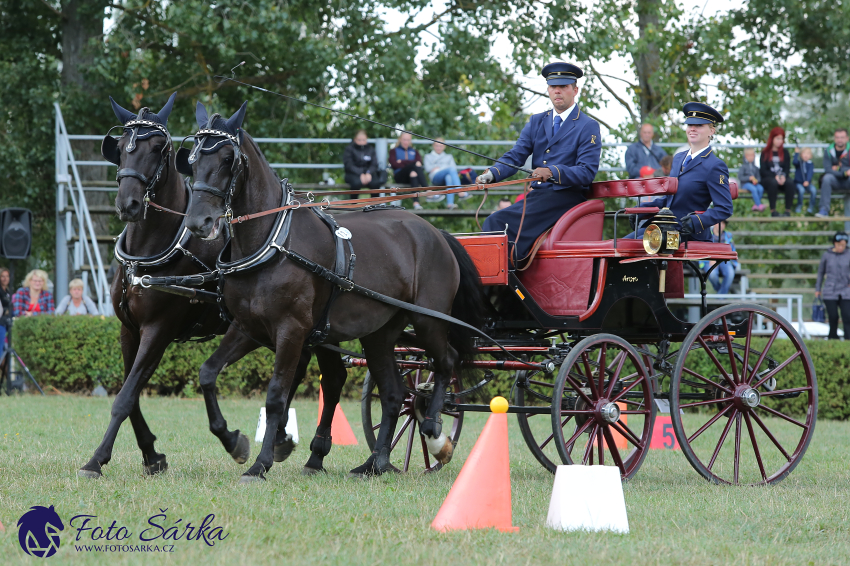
[(233, 347), (151, 348), (288, 354), (283, 444), (380, 354), (334, 375), (435, 342)]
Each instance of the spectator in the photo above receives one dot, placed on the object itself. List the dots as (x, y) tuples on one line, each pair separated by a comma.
[(836, 169), (506, 202), (643, 152), (442, 168), (750, 178), (835, 268), (775, 166), (361, 165), (647, 172), (76, 303), (6, 304), (804, 172), (726, 269), (407, 165), (33, 298), (666, 165)]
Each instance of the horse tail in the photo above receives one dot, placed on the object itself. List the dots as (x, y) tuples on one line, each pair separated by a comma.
[(469, 302)]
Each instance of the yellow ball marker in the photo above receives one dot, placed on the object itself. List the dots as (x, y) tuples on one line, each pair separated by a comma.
[(499, 405)]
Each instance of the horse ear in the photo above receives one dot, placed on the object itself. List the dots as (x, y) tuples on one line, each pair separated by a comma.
[(166, 110), (122, 114), (109, 150), (235, 121), (201, 115), (182, 161)]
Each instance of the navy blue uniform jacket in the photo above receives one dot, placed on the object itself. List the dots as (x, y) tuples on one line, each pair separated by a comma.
[(704, 181), (573, 157)]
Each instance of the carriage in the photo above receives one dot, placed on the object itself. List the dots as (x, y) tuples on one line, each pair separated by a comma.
[(594, 352)]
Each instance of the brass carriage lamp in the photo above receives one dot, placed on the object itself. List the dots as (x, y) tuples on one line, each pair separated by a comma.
[(662, 238)]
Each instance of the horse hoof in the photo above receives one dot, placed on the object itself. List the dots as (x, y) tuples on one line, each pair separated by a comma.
[(242, 451), (156, 467), (246, 479), (305, 471), (89, 474), (284, 450)]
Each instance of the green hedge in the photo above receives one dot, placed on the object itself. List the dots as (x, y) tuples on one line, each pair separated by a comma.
[(73, 353)]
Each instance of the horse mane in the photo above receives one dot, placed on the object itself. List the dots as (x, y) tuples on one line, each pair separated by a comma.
[(249, 141)]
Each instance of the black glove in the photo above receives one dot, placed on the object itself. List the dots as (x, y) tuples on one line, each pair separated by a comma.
[(689, 225)]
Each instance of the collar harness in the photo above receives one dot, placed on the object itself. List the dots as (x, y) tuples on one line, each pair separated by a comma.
[(140, 128)]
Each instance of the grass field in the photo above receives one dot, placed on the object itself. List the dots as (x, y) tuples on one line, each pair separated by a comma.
[(674, 515)]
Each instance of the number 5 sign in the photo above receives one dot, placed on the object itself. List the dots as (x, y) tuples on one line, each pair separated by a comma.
[(663, 437)]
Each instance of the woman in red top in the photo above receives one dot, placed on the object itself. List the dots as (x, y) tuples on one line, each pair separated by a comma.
[(33, 298), (407, 165), (774, 169)]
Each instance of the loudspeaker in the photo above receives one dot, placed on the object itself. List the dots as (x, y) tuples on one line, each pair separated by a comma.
[(15, 233)]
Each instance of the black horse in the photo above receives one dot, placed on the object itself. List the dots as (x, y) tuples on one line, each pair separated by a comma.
[(153, 243), (280, 303)]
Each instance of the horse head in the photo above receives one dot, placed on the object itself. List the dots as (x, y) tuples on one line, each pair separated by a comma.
[(217, 164), (142, 154)]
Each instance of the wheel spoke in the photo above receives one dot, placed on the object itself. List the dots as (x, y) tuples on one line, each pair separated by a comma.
[(747, 348), (614, 378), (709, 402), (602, 367), (400, 433), (783, 391), (764, 353), (716, 361), (732, 353), (624, 430), (425, 452), (626, 390), (625, 412), (589, 376), (578, 390), (600, 445), (615, 452), (770, 435), (782, 416), (722, 439), (777, 369), (705, 379), (569, 443), (540, 383), (409, 451), (755, 445), (713, 420), (737, 463), (588, 450)]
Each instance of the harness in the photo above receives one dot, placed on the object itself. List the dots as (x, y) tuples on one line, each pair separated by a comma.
[(133, 127)]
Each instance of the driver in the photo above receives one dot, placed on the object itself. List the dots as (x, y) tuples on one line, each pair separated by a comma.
[(564, 146), (703, 178)]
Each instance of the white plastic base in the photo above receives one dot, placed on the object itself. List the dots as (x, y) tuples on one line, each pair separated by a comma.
[(291, 426), (588, 498)]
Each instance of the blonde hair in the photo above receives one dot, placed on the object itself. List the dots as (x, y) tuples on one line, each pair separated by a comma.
[(398, 141), (76, 283), (806, 150), (750, 150), (40, 273)]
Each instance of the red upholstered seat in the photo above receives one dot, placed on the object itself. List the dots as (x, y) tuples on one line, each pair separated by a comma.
[(580, 223), (654, 186)]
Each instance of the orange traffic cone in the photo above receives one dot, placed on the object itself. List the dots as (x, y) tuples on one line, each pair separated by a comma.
[(481, 495), (341, 432)]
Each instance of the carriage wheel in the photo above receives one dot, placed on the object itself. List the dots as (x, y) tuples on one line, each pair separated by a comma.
[(749, 411), (370, 411), (601, 381), (533, 388)]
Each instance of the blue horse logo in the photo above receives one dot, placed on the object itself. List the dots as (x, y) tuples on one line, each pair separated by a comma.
[(38, 531)]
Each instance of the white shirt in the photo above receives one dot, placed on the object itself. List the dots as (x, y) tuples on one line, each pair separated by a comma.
[(564, 115), (694, 153)]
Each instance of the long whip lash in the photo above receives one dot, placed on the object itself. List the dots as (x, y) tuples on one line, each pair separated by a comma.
[(370, 121)]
